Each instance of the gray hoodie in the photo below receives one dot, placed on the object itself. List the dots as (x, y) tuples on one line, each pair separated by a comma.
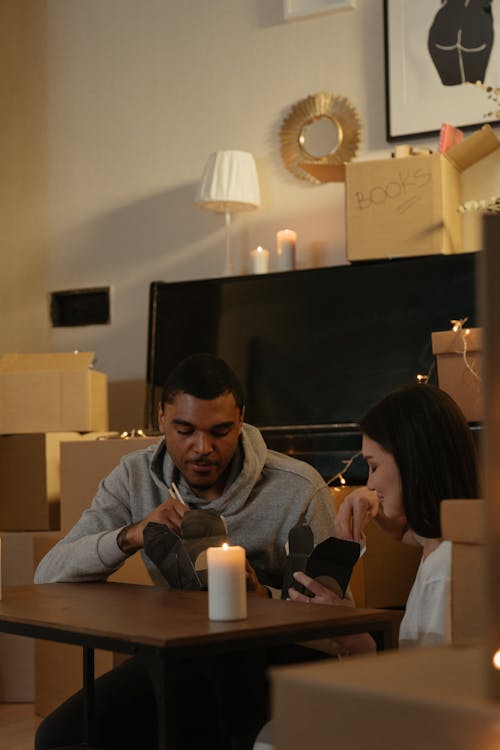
[(266, 494)]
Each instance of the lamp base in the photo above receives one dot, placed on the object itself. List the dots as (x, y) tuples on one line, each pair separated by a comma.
[(228, 262)]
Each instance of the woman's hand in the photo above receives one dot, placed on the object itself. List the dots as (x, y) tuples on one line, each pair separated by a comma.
[(359, 643), (322, 595), (357, 511)]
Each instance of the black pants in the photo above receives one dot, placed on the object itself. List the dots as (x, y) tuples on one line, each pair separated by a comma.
[(221, 704)]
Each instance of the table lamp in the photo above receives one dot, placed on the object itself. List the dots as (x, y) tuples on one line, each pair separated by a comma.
[(229, 183)]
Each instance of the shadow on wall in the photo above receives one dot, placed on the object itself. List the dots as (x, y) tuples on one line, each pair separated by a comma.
[(163, 237), (23, 187), (127, 400), (160, 235)]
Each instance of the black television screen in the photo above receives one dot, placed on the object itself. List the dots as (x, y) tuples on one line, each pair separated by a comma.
[(314, 347)]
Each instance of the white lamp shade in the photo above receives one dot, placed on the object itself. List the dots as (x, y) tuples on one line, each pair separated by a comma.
[(229, 182)]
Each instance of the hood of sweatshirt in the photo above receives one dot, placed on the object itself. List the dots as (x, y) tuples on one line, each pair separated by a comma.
[(244, 471)]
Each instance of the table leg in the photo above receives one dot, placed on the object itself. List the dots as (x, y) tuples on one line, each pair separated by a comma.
[(88, 696), (163, 679)]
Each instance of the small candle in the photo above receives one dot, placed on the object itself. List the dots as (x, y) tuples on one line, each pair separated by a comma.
[(286, 240), (259, 260), (227, 593)]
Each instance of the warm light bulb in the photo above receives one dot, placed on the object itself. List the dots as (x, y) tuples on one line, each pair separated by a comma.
[(496, 659), (225, 545), (342, 480)]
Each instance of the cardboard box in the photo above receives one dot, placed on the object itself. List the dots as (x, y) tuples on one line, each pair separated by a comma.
[(17, 653), (58, 666), (30, 479), (84, 464), (409, 206), (430, 698), (459, 366), (52, 393), (463, 523), (29, 476), (383, 577)]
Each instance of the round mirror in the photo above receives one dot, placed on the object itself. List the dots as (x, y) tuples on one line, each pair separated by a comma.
[(319, 137), (322, 130)]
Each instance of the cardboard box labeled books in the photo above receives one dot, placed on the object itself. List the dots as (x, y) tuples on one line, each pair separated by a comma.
[(52, 393), (459, 364), (409, 206)]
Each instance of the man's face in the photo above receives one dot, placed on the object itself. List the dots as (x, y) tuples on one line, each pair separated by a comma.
[(201, 437)]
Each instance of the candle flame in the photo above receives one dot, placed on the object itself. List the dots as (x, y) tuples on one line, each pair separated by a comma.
[(260, 249), (225, 545), (496, 659)]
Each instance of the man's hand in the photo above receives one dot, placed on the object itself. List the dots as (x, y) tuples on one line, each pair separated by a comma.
[(168, 513), (253, 583), (357, 511)]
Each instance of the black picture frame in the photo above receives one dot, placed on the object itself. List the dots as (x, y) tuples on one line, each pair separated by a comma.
[(418, 102)]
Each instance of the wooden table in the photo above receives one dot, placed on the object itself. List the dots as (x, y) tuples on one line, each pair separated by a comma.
[(161, 626)]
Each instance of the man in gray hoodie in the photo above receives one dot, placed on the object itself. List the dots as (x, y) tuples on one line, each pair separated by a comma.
[(218, 462)]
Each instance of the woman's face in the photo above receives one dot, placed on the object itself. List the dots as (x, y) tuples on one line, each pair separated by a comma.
[(383, 477)]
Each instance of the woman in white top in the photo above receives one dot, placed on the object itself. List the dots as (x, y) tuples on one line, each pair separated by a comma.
[(420, 451)]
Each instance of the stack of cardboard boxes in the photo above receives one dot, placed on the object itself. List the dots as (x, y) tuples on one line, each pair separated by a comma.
[(46, 399), (55, 447), (58, 667)]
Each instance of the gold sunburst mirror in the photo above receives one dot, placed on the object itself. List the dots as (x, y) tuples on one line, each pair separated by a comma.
[(320, 133)]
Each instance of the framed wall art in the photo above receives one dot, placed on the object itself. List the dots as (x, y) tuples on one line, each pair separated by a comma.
[(435, 52), (293, 9)]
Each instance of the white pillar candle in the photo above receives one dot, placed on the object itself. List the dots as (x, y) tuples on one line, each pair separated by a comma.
[(259, 260), (286, 241), (227, 590)]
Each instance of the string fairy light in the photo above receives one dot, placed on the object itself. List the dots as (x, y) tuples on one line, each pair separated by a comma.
[(340, 474), (492, 93), (425, 378), (490, 205), (458, 327), (496, 659), (133, 433)]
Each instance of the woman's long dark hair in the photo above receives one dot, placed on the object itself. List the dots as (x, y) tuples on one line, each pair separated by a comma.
[(432, 444)]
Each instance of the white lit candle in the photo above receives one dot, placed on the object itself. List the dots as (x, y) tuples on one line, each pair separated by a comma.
[(259, 260), (286, 241), (227, 591)]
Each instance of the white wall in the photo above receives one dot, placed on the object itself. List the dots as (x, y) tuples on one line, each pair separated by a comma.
[(138, 93)]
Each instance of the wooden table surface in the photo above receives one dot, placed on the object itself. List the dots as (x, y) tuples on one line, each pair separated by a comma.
[(119, 616), (162, 626)]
